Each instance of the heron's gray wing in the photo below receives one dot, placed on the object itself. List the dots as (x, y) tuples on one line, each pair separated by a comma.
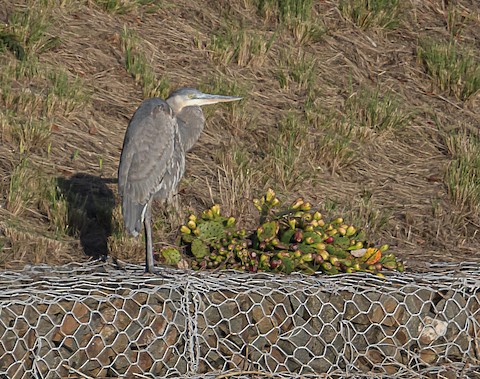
[(148, 147)]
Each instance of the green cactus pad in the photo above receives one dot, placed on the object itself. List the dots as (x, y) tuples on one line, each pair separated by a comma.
[(343, 242), (267, 231), (329, 269), (305, 248), (171, 255), (337, 251), (287, 236), (288, 266), (188, 238), (199, 249), (389, 261), (316, 238), (211, 230)]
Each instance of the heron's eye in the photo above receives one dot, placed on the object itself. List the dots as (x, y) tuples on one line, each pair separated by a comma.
[(190, 96)]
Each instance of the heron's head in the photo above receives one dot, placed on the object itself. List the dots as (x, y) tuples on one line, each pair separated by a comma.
[(188, 97)]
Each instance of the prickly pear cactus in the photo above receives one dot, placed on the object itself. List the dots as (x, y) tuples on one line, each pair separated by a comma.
[(199, 248), (211, 230), (267, 231), (171, 256), (294, 239)]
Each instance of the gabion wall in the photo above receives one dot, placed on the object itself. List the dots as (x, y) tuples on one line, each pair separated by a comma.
[(97, 321)]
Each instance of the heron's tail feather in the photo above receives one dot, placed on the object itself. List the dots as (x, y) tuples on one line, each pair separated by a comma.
[(133, 214)]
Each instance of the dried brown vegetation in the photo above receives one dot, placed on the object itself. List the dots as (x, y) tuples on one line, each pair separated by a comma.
[(369, 113)]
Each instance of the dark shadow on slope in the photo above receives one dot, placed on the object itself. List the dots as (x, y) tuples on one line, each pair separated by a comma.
[(90, 205)]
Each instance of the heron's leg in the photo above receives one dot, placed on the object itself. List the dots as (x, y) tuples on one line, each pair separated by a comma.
[(149, 263)]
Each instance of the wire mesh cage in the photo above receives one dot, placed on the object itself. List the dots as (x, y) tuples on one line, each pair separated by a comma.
[(94, 320)]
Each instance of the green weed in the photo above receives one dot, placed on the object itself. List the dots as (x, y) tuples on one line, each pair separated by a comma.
[(361, 211), (120, 245), (241, 46), (127, 6), (462, 177), (24, 184), (371, 109), (287, 11), (27, 243), (29, 68), (287, 158), (30, 29), (365, 14), (455, 21), (297, 15), (140, 69), (298, 68), (224, 85), (292, 9), (239, 118), (238, 176), (454, 70), (364, 212), (9, 41), (42, 90), (306, 32), (333, 144), (54, 205), (33, 191), (29, 134), (32, 109), (19, 99), (64, 93)]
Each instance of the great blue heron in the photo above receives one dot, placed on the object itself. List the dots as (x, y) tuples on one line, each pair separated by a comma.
[(152, 163)]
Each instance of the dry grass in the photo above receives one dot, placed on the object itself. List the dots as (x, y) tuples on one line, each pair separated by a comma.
[(366, 110)]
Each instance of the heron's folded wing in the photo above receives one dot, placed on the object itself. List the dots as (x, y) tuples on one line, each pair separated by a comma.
[(147, 150)]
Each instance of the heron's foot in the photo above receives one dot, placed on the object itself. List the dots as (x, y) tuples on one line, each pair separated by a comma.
[(151, 270)]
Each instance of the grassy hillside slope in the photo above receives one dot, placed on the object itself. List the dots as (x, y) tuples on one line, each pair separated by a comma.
[(369, 110)]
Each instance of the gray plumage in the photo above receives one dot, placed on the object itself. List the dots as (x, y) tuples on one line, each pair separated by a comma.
[(146, 159), (152, 162)]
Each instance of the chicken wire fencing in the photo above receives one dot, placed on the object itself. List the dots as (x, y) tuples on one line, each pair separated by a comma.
[(94, 320)]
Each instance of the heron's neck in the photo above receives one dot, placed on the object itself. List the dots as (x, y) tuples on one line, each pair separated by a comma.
[(174, 104), (190, 126)]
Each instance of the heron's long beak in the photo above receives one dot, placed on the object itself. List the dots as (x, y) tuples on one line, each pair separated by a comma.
[(205, 98)]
